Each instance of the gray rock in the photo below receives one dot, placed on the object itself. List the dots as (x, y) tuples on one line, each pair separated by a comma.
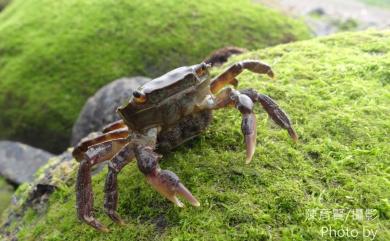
[(100, 109), (318, 11), (19, 162), (35, 196)]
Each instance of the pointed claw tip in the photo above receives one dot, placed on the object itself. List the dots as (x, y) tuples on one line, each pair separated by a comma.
[(271, 74), (293, 134), (178, 202), (121, 223), (248, 161), (196, 203), (250, 151), (249, 158), (104, 229), (180, 205)]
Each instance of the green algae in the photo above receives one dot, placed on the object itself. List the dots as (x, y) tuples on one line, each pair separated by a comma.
[(6, 191)]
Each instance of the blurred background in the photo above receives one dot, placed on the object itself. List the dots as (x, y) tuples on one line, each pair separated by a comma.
[(330, 16), (66, 64)]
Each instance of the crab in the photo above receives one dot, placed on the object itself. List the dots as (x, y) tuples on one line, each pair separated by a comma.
[(161, 115)]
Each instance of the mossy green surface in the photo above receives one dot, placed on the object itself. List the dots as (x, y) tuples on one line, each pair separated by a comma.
[(56, 54), (6, 191), (336, 91)]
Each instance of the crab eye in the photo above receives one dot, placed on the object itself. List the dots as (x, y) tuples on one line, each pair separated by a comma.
[(139, 97), (202, 69)]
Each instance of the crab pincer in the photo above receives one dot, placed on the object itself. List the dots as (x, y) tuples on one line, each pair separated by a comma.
[(168, 184), (165, 182)]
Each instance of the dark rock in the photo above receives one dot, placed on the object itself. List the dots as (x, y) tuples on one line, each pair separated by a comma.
[(19, 162), (100, 109), (318, 11)]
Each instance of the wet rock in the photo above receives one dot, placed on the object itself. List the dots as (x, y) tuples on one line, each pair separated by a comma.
[(100, 109), (19, 162)]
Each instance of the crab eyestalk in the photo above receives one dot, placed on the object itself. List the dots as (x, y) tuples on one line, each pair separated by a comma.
[(202, 70), (139, 97)]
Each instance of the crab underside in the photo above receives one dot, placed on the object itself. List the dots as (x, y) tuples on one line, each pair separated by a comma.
[(163, 114)]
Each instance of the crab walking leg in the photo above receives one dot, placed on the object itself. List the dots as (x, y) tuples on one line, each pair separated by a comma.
[(228, 76), (83, 145), (120, 160), (165, 182), (248, 128), (273, 110), (248, 124), (84, 196), (229, 97), (119, 124)]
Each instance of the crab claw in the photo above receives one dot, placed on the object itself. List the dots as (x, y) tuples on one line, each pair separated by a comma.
[(248, 127), (168, 184)]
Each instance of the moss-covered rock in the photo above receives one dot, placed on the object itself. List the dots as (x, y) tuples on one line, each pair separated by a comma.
[(336, 90), (55, 54), (32, 197), (6, 191)]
